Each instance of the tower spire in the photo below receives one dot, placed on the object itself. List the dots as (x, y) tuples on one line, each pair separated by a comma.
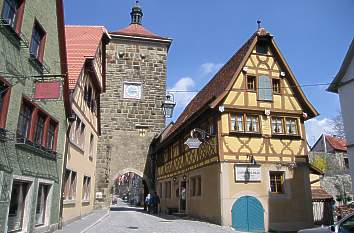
[(136, 14)]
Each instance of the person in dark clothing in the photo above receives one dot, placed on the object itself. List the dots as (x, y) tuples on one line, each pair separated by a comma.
[(156, 203)]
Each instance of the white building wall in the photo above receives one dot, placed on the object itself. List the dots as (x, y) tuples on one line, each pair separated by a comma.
[(346, 97)]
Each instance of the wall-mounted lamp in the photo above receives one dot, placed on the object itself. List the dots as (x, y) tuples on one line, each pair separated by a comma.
[(168, 105), (174, 179), (184, 177), (252, 159)]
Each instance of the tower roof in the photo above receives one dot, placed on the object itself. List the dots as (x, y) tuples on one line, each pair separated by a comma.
[(136, 29)]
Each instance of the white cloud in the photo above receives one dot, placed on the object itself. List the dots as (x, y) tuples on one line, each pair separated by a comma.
[(316, 127), (210, 67), (182, 95)]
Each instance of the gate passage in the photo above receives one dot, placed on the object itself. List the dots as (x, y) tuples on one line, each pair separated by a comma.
[(248, 214)]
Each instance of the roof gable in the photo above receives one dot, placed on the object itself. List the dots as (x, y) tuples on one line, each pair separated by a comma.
[(348, 60), (82, 43), (220, 85)]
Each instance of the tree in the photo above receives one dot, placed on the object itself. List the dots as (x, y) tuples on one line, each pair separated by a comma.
[(320, 162), (337, 126)]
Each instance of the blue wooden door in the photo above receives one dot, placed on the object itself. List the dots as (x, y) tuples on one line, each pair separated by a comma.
[(248, 214)]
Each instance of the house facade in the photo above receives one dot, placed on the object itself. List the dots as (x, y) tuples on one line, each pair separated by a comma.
[(33, 112), (85, 46), (343, 84), (131, 112), (252, 160)]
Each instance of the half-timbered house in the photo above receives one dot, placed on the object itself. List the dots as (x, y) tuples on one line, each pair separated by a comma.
[(251, 170)]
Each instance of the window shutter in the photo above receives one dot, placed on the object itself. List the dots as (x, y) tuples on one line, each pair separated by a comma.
[(264, 88)]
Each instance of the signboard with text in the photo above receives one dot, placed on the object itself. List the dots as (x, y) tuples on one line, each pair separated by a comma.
[(248, 173)]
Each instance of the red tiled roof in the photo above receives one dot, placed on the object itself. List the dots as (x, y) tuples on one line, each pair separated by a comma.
[(320, 194), (135, 29), (216, 86), (336, 143), (81, 42)]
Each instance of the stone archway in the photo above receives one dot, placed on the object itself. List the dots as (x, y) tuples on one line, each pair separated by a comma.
[(129, 186)]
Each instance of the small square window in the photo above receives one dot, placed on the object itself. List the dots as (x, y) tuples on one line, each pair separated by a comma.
[(276, 182), (237, 122), (262, 47), (37, 42), (252, 123), (291, 126), (251, 83), (276, 86), (277, 125)]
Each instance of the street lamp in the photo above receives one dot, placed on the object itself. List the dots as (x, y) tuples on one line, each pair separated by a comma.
[(168, 105)]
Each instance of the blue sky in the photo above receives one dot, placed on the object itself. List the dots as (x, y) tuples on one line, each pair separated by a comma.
[(312, 35)]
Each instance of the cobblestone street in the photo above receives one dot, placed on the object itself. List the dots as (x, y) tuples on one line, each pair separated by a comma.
[(125, 219)]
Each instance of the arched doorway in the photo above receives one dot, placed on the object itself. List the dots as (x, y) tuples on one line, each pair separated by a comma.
[(248, 214), (130, 188)]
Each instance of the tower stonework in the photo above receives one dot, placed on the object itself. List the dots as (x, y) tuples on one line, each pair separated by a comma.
[(131, 113)]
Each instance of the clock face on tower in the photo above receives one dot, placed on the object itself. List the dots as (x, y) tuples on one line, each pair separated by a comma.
[(132, 90)]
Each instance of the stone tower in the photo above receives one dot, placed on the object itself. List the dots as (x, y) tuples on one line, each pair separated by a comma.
[(131, 113)]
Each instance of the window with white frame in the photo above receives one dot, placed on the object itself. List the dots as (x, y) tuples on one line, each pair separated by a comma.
[(42, 197), (70, 185), (17, 206), (86, 187), (242, 122)]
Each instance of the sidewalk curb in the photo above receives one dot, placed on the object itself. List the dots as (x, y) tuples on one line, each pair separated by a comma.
[(95, 223)]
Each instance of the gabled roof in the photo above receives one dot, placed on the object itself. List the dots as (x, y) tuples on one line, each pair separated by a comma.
[(82, 43), (220, 85), (336, 143), (320, 194), (336, 83)]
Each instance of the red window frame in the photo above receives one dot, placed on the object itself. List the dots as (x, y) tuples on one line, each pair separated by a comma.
[(41, 43), (19, 15), (48, 120), (5, 102)]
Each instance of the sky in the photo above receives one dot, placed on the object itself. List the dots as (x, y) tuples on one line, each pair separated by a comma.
[(313, 36)]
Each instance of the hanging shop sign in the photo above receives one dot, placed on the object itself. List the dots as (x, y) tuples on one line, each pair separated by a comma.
[(248, 173), (193, 143), (47, 90)]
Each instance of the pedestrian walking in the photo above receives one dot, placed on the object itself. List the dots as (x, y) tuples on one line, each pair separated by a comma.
[(156, 203), (148, 202)]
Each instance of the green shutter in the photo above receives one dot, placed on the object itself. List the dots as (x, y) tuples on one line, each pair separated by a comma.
[(264, 88)]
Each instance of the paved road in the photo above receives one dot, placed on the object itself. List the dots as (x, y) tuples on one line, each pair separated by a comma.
[(125, 219)]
